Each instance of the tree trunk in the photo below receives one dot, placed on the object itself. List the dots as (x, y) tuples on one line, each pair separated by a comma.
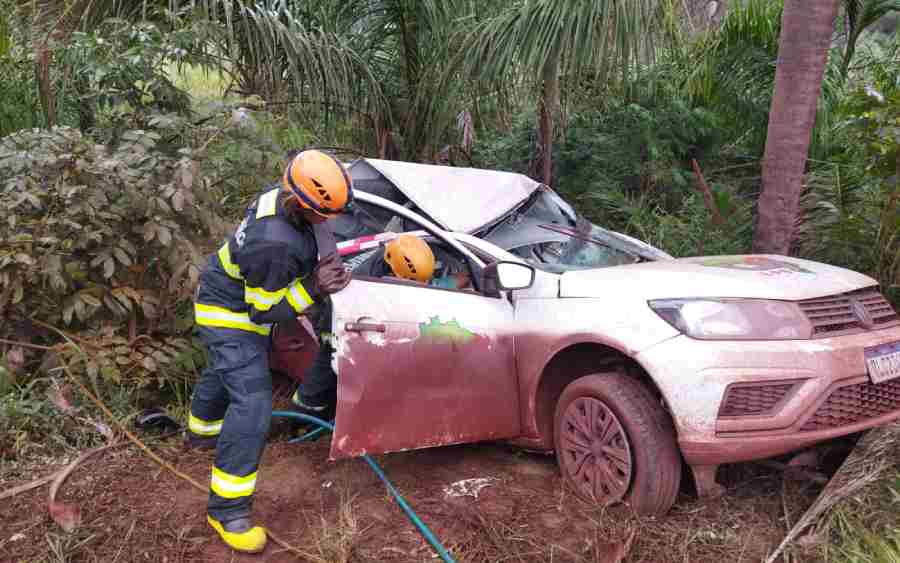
[(548, 112), (806, 29), (45, 86)]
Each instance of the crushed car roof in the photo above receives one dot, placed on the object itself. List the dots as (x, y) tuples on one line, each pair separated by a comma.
[(458, 199)]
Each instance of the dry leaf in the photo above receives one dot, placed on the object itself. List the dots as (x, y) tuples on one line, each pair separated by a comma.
[(59, 396), (15, 359), (68, 516)]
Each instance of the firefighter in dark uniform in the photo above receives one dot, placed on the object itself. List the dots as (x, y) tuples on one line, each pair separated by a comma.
[(269, 271)]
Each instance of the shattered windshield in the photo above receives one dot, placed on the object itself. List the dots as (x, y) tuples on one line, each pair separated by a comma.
[(552, 236), (569, 249)]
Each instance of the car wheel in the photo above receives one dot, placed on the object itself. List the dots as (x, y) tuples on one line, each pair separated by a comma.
[(614, 442)]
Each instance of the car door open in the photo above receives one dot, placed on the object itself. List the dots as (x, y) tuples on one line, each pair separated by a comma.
[(420, 367)]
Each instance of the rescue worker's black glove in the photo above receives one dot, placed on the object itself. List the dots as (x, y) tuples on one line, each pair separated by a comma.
[(329, 276)]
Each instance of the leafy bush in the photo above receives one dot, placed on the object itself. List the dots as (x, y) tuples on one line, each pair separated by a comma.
[(91, 232), (20, 108), (689, 230), (853, 204), (124, 62), (626, 146), (163, 361), (27, 420)]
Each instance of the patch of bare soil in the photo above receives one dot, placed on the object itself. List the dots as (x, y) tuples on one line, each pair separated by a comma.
[(135, 511)]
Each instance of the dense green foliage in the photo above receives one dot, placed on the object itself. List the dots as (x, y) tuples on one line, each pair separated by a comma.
[(91, 230), (173, 114)]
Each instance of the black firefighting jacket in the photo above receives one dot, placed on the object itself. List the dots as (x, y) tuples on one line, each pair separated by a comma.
[(261, 275)]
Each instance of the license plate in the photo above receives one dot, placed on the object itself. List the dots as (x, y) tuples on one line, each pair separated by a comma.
[(883, 362)]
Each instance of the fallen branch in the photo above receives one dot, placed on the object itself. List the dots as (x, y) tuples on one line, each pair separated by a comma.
[(67, 336), (68, 516), (143, 447), (9, 493), (872, 456), (25, 344)]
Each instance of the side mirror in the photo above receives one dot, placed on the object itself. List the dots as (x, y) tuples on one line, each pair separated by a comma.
[(507, 276)]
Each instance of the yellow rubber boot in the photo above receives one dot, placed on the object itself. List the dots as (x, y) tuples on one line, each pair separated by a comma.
[(239, 535)]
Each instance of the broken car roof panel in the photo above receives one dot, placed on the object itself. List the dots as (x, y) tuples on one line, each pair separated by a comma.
[(458, 199)]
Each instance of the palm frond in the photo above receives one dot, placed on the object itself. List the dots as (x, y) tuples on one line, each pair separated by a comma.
[(593, 35), (275, 44), (5, 34), (860, 15)]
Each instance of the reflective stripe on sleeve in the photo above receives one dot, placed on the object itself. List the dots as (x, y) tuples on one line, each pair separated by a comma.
[(227, 485), (298, 297), (210, 315), (202, 427), (230, 267), (261, 299), (267, 203)]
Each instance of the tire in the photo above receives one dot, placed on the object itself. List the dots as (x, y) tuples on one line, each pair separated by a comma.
[(631, 455)]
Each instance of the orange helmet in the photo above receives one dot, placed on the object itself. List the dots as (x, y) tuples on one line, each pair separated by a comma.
[(318, 181), (410, 258)]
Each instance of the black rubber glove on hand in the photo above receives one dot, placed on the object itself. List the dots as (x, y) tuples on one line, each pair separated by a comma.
[(329, 276)]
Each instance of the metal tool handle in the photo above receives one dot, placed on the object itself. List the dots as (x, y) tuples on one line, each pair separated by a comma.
[(365, 327)]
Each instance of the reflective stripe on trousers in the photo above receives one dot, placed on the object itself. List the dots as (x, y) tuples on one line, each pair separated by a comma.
[(202, 427), (231, 486)]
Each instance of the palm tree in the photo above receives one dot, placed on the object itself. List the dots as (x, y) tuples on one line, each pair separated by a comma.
[(380, 59), (806, 32), (535, 42), (270, 45), (409, 44), (861, 14), (731, 69)]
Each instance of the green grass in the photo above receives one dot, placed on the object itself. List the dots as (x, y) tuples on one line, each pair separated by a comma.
[(204, 85), (859, 544), (865, 528)]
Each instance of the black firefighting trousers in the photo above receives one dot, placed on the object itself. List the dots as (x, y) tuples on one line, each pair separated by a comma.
[(233, 401), (319, 387)]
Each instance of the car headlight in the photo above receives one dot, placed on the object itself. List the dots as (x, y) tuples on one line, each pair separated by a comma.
[(735, 319)]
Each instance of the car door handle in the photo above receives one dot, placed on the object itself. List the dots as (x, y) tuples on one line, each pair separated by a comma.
[(365, 327)]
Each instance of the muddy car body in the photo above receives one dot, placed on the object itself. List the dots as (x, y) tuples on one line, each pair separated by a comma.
[(617, 357)]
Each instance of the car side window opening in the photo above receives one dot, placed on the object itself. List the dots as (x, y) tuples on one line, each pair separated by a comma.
[(452, 270)]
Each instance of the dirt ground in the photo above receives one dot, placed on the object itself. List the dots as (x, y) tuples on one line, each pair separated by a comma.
[(132, 510)]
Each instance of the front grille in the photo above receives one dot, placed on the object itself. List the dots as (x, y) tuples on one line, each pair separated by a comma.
[(855, 403), (752, 399), (834, 314)]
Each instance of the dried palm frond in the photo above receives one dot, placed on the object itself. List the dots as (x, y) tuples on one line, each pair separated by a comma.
[(873, 455)]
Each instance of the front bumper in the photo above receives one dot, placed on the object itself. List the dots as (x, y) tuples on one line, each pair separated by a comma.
[(740, 401)]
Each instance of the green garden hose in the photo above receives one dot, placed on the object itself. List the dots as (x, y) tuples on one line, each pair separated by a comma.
[(410, 513)]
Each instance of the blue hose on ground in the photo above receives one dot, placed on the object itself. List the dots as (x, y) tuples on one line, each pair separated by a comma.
[(410, 513), (309, 436)]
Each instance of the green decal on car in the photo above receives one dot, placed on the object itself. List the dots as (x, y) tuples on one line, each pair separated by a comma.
[(450, 330)]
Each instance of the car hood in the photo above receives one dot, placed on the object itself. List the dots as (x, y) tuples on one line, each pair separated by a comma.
[(457, 199), (751, 277)]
